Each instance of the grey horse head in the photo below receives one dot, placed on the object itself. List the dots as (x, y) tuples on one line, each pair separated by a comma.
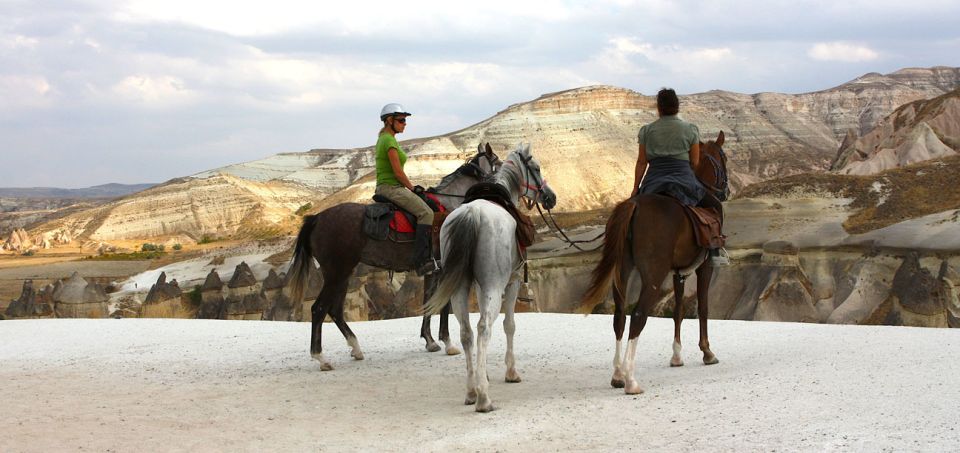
[(534, 180)]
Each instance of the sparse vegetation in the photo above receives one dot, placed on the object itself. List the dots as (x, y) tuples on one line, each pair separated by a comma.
[(177, 247), (132, 256), (148, 247), (195, 296), (207, 239), (909, 192), (30, 252), (303, 209)]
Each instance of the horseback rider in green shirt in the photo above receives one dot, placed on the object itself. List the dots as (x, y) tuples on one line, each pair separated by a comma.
[(393, 184)]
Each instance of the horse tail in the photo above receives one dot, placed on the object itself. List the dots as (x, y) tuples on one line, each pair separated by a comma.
[(615, 245), (302, 259), (458, 256)]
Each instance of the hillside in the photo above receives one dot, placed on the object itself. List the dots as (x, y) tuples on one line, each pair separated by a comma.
[(585, 139), (914, 132)]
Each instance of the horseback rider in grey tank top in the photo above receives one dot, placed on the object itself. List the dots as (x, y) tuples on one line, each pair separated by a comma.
[(671, 147)]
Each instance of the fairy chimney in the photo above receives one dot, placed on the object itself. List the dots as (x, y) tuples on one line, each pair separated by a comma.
[(30, 304), (281, 307), (76, 298), (164, 301), (244, 300), (211, 294)]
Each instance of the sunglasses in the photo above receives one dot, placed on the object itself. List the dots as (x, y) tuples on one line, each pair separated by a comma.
[(400, 120)]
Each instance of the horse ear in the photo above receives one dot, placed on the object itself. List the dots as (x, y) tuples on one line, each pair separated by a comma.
[(479, 148), (720, 138), (489, 149)]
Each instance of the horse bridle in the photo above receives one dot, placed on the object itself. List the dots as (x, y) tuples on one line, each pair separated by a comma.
[(719, 175), (526, 186)]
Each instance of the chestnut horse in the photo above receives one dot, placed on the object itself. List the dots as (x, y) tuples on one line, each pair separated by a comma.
[(334, 238), (651, 235)]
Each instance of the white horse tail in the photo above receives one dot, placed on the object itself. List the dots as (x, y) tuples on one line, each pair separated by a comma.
[(458, 257)]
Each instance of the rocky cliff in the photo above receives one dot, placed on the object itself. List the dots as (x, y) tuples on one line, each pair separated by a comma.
[(915, 132), (585, 139)]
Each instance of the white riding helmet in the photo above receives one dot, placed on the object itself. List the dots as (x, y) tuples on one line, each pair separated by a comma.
[(392, 109)]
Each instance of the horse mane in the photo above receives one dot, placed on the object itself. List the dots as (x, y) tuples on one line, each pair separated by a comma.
[(465, 169), (508, 178)]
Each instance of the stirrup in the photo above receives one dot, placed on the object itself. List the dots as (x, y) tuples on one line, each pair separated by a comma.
[(429, 267), (525, 295), (721, 258)]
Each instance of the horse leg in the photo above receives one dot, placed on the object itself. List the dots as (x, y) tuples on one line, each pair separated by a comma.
[(459, 302), (638, 319), (451, 349), (678, 281), (509, 328), (429, 286), (319, 310), (619, 323), (490, 300), (704, 273), (340, 320)]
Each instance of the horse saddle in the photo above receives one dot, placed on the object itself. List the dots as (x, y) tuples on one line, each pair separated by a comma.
[(493, 192), (706, 223), (385, 220)]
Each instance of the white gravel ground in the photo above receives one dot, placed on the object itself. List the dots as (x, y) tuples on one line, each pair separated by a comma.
[(176, 385)]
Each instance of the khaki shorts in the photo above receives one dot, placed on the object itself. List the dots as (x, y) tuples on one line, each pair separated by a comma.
[(406, 199)]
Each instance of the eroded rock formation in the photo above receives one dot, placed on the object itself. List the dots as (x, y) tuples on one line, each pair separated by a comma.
[(75, 298), (165, 300)]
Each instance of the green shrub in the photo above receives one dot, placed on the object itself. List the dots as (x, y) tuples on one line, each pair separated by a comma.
[(30, 252), (206, 239), (148, 247), (177, 247), (303, 209)]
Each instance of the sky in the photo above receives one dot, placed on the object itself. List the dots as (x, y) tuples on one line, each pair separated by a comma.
[(137, 91)]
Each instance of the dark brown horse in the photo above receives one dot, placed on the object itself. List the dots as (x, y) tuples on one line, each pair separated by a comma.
[(651, 234), (334, 238)]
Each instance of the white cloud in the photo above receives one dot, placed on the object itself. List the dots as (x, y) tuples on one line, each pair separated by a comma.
[(842, 51), (620, 55), (153, 91), (368, 17), (25, 91)]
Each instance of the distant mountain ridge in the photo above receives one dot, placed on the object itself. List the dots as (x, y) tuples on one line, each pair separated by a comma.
[(111, 190), (585, 139)]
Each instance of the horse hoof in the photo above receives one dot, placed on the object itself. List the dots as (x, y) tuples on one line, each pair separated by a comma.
[(471, 399), (356, 355), (675, 363), (632, 388), (512, 377), (711, 360), (484, 405), (324, 364), (617, 383), (453, 350), (433, 347)]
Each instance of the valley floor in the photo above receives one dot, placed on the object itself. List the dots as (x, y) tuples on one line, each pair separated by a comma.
[(191, 385)]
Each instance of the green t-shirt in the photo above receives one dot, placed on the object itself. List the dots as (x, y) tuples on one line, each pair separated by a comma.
[(385, 173), (669, 136)]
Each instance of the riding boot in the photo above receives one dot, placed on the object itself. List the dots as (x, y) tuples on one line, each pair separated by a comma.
[(718, 256), (423, 260)]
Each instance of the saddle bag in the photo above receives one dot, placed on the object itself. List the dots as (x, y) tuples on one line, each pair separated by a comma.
[(376, 220), (706, 225)]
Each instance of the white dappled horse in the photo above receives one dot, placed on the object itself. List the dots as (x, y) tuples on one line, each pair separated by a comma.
[(479, 247)]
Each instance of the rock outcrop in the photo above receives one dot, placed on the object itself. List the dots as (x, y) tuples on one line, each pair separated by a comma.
[(281, 307), (75, 298), (915, 132), (165, 301), (30, 304), (244, 299), (213, 305), (915, 298)]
